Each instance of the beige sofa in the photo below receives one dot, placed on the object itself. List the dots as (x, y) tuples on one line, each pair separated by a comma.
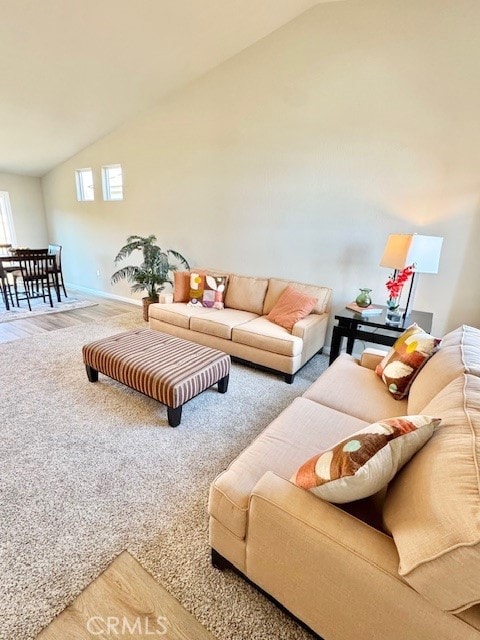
[(400, 566), (242, 330)]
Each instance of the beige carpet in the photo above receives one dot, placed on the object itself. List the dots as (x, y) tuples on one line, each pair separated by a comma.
[(87, 470)]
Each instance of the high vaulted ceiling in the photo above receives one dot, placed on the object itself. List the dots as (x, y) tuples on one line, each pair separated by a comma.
[(71, 71)]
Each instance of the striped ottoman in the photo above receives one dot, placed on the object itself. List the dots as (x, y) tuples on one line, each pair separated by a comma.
[(168, 369)]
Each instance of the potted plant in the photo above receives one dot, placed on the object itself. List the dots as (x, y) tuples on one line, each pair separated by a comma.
[(153, 273)]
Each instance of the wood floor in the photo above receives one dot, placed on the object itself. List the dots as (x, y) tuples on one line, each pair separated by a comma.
[(126, 602), (35, 325)]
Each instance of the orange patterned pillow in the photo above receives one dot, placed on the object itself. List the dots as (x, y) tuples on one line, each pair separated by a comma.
[(402, 363), (364, 463), (291, 307)]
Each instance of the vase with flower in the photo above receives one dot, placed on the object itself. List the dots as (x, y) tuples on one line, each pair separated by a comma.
[(394, 286)]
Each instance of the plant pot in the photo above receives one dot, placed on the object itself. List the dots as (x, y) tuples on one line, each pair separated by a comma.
[(146, 303)]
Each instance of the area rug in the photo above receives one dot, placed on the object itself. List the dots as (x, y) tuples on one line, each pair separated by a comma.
[(89, 470), (41, 308)]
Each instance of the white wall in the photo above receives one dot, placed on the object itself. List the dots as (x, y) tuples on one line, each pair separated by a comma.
[(28, 212), (299, 156)]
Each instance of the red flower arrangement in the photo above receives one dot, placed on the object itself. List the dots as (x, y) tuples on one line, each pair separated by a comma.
[(395, 283)]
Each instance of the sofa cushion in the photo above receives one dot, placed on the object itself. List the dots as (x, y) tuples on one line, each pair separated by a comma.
[(207, 289), (432, 507), (181, 286), (347, 386), (220, 323), (296, 434), (277, 286), (265, 335), (291, 307), (403, 362), (246, 294), (459, 353), (177, 313), (365, 462)]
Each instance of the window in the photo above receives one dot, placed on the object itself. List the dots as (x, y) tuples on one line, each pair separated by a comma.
[(84, 180), (112, 181), (7, 232)]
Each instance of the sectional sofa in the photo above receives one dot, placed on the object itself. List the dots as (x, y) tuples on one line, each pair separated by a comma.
[(403, 564), (242, 328)]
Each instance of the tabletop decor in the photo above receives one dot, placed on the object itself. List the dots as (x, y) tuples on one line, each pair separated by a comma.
[(394, 285), (363, 299), (418, 252)]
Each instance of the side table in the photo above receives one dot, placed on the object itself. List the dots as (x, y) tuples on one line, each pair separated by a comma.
[(354, 326)]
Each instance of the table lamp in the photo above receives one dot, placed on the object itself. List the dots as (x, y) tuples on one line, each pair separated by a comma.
[(423, 252)]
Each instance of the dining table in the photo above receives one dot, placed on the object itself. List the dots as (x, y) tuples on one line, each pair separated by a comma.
[(9, 264)]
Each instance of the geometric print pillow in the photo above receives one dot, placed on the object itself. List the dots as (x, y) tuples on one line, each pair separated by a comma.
[(365, 462), (400, 366), (207, 290)]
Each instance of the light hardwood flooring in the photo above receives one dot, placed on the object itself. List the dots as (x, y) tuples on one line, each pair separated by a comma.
[(35, 325), (126, 602)]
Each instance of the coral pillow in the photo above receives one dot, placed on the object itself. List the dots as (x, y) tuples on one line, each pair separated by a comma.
[(181, 286), (364, 463), (403, 362), (291, 307), (207, 290)]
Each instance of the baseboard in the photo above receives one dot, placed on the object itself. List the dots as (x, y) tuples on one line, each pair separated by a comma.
[(102, 294)]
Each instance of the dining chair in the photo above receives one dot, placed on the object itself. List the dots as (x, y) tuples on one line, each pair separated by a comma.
[(56, 250), (28, 252), (35, 273), (5, 287)]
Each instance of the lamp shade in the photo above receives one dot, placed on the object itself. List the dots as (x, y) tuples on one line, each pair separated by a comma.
[(402, 250)]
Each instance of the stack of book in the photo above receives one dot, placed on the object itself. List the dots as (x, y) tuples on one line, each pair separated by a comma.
[(371, 310)]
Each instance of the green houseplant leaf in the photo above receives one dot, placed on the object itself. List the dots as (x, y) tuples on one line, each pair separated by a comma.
[(154, 272)]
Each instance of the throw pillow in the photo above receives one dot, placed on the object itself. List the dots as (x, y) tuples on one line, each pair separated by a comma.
[(364, 463), (403, 362), (291, 307), (207, 290), (181, 286)]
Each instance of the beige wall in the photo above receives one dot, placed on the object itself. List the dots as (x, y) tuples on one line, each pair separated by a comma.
[(299, 156), (28, 212)]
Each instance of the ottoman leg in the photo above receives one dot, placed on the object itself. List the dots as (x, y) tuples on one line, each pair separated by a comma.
[(174, 416), (91, 373), (223, 384)]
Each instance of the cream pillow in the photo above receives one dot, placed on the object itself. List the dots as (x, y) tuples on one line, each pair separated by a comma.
[(365, 462)]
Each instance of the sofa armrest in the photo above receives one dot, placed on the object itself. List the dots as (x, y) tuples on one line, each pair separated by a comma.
[(312, 331), (333, 571), (371, 357), (306, 325), (165, 298), (318, 516)]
